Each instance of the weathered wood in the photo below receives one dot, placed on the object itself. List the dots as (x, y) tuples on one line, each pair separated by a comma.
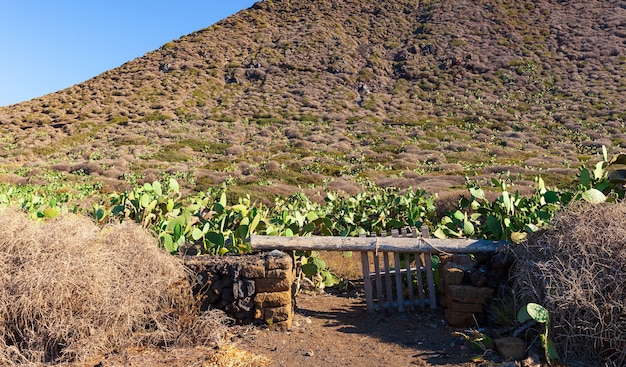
[(379, 281), (388, 288), (409, 282), (382, 244), (399, 288), (428, 267), (420, 282), (409, 276), (398, 273), (409, 244), (367, 282)]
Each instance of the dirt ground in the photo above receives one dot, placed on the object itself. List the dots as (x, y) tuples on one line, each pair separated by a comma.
[(336, 330), (329, 329)]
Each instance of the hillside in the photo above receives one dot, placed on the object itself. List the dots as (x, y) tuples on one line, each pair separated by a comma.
[(322, 93)]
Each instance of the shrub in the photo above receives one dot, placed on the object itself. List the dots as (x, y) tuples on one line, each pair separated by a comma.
[(118, 119), (70, 291), (155, 116), (576, 269)]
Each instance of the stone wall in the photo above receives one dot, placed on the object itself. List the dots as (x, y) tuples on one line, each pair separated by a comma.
[(469, 283), (249, 288), (257, 288)]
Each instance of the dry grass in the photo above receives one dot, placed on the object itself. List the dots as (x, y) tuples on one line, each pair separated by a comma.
[(231, 356), (347, 265), (199, 356), (70, 291), (577, 270)]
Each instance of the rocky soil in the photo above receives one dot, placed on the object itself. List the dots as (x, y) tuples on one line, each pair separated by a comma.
[(328, 330), (337, 331)]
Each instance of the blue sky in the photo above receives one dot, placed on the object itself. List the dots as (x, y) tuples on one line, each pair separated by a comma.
[(50, 45)]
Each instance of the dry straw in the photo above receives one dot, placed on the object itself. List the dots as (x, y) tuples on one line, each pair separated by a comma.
[(577, 269), (70, 291)]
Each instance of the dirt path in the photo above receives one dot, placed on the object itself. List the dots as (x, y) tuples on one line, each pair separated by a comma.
[(332, 330), (328, 330)]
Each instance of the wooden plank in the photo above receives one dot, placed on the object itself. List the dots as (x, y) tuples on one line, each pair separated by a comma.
[(420, 282), (409, 274), (386, 244), (379, 282), (388, 293), (418, 275), (367, 282), (409, 282), (428, 267), (399, 288), (398, 273)]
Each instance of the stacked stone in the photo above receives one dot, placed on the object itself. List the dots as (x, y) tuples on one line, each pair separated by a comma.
[(249, 288), (273, 301), (467, 286)]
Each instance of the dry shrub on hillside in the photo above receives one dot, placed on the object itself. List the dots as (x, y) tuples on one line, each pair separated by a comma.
[(576, 269), (343, 185), (437, 184), (70, 291)]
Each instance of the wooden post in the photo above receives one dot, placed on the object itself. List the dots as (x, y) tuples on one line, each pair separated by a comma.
[(428, 265), (409, 281), (398, 273), (388, 293), (420, 282), (418, 273), (409, 278), (367, 282), (379, 282), (399, 288)]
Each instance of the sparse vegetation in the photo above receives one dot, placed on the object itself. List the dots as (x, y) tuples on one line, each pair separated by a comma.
[(326, 127), (210, 224), (513, 95)]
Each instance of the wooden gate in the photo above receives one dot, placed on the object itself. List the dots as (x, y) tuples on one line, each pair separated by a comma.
[(411, 274), (402, 284)]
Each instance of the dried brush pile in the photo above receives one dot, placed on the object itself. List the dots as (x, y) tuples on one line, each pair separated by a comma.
[(577, 269), (71, 291)]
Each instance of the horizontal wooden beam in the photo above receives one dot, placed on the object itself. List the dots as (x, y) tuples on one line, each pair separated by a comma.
[(382, 244)]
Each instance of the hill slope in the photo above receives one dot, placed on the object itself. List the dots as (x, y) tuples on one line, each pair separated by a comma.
[(308, 93)]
